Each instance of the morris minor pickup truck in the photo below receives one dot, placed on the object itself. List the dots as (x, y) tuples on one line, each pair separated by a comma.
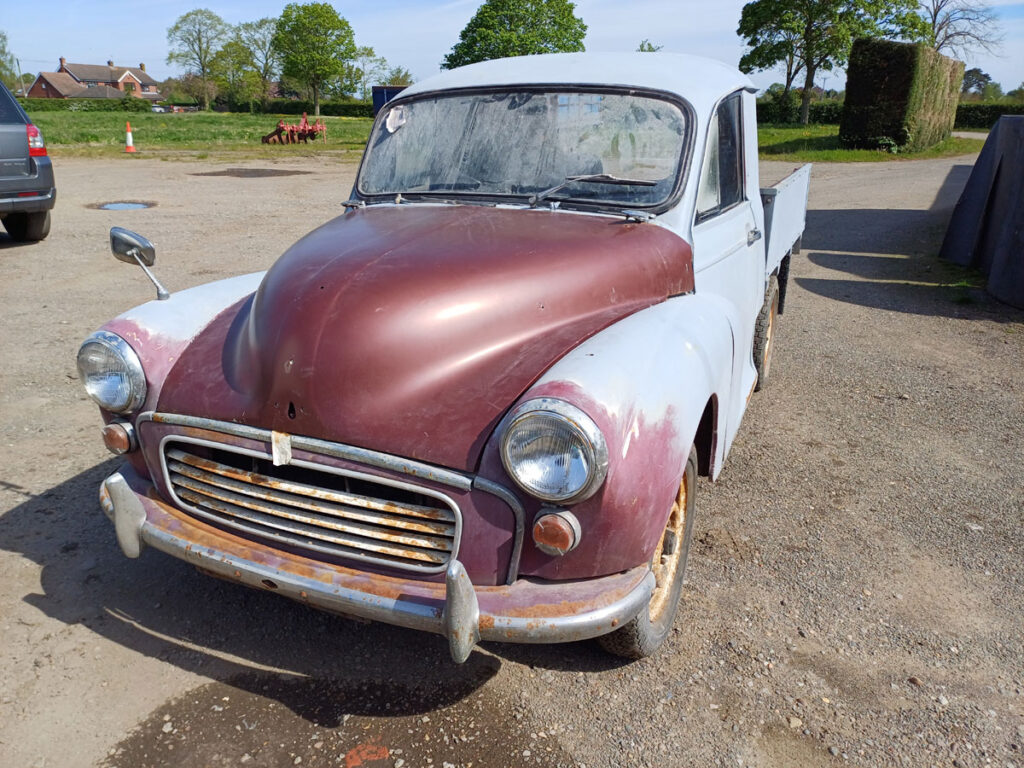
[(477, 402)]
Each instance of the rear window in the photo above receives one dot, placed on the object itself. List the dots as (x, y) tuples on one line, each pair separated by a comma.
[(10, 110)]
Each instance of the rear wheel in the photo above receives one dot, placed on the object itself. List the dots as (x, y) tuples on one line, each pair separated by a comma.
[(764, 333), (27, 227), (645, 633)]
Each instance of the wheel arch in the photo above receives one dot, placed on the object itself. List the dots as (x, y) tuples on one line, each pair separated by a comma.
[(652, 384)]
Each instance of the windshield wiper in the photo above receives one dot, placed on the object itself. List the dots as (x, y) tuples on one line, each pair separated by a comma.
[(590, 178)]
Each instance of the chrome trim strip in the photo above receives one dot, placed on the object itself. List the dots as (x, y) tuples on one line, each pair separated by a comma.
[(491, 487), (314, 445), (447, 500)]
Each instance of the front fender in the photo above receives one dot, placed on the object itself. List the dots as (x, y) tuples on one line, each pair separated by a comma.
[(159, 331), (646, 382)]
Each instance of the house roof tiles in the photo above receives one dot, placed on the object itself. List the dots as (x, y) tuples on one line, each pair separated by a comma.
[(100, 73)]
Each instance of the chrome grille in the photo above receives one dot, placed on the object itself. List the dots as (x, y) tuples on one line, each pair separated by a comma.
[(311, 507)]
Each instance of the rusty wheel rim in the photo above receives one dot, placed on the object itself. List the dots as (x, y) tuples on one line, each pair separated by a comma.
[(668, 555), (769, 336)]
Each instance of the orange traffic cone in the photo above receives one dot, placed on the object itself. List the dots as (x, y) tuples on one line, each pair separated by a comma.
[(129, 144)]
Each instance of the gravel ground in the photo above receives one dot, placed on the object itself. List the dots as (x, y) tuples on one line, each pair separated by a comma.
[(854, 595)]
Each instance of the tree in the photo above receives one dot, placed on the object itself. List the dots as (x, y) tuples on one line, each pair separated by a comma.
[(992, 92), (235, 74), (315, 45), (195, 39), (1017, 94), (398, 76), (975, 81), (821, 33), (502, 28), (7, 73), (961, 26), (646, 46), (258, 37), (771, 40), (368, 67)]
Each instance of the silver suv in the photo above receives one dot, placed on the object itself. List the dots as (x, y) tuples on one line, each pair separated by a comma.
[(27, 191)]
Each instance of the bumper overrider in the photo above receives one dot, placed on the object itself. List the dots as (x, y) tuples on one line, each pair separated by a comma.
[(526, 611)]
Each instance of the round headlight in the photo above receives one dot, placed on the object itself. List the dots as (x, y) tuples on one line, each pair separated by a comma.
[(111, 372), (554, 451)]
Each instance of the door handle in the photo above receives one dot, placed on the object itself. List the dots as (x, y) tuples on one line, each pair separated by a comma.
[(753, 235)]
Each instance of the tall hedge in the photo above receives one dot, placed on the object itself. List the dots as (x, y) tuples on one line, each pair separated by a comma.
[(899, 95), (984, 115), (334, 108), (127, 104)]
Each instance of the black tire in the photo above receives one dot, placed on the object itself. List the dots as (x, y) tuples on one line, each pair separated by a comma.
[(27, 227), (645, 633), (764, 333)]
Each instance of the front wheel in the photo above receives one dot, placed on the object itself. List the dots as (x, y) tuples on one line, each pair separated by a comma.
[(645, 633), (764, 333)]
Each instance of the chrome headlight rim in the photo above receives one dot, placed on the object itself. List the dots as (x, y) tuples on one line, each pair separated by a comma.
[(592, 438), (133, 366)]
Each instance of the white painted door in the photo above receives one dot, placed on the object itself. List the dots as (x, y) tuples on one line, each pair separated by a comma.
[(728, 249)]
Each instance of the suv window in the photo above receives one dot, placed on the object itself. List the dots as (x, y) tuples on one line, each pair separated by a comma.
[(721, 179), (10, 110)]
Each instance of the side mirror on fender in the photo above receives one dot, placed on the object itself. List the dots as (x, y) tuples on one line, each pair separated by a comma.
[(132, 248)]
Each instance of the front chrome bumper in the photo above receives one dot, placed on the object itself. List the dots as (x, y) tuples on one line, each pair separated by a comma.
[(527, 611)]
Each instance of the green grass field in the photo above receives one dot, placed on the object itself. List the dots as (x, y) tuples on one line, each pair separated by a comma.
[(189, 133), (820, 144), (233, 136)]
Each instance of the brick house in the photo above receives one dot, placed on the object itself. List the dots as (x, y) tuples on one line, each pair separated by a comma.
[(94, 81)]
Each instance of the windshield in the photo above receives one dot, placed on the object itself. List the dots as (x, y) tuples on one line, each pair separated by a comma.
[(522, 143)]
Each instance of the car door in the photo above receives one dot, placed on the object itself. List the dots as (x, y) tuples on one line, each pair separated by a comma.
[(728, 252)]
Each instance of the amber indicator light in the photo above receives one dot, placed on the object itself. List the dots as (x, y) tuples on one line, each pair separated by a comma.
[(118, 438), (554, 534)]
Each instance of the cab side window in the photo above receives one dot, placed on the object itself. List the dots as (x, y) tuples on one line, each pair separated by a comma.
[(721, 178)]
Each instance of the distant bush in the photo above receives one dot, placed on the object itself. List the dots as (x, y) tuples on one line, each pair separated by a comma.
[(772, 109), (778, 107), (127, 104), (331, 108), (826, 112), (984, 116)]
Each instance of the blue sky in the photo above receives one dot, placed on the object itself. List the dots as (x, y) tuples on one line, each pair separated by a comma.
[(415, 34)]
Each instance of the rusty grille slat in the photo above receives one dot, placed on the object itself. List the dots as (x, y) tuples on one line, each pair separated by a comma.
[(257, 512), (275, 509), (347, 499), (250, 524), (329, 520), (277, 494)]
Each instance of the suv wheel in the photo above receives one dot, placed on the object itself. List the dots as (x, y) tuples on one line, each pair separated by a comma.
[(28, 227)]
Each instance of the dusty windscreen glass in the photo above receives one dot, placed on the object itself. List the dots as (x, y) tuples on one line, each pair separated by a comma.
[(520, 143)]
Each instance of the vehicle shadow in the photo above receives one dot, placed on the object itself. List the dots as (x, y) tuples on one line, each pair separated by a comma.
[(888, 231), (163, 608), (914, 285), (874, 230), (6, 241)]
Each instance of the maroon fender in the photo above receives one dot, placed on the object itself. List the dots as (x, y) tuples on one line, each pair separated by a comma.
[(412, 329)]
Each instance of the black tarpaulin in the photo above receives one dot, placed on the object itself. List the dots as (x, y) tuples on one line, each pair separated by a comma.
[(987, 228)]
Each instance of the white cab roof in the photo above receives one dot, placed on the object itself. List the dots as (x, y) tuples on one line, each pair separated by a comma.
[(702, 82)]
